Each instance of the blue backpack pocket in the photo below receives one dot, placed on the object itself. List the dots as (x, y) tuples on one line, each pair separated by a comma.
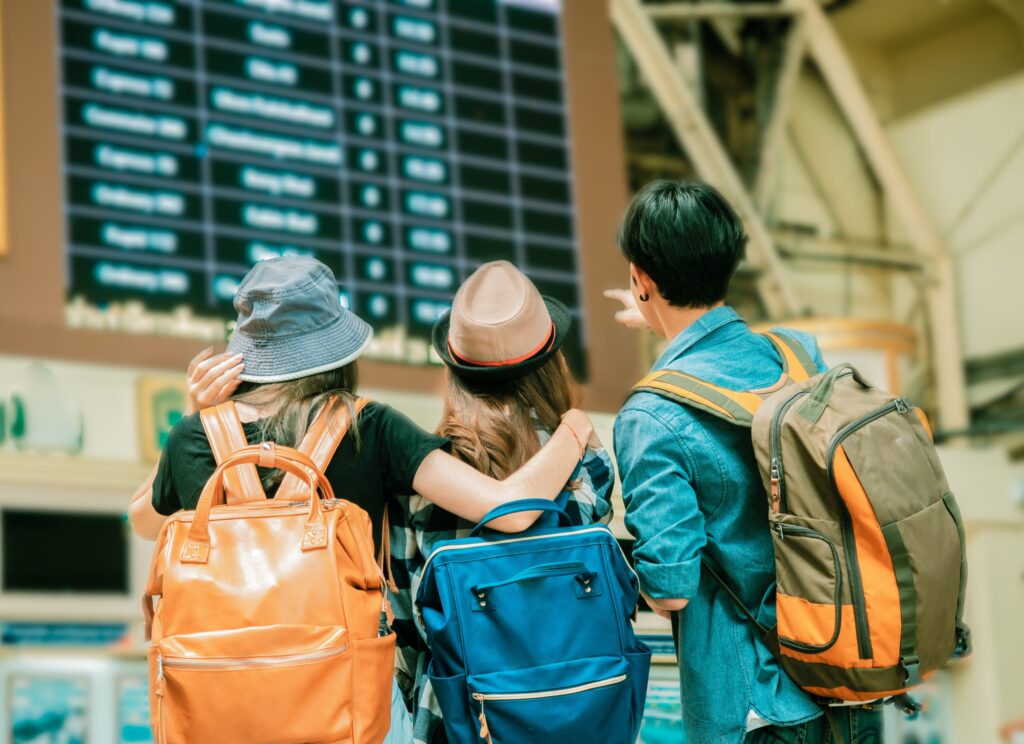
[(531, 636), (585, 700)]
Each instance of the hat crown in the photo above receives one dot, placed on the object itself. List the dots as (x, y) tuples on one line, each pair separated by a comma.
[(498, 316), (286, 296)]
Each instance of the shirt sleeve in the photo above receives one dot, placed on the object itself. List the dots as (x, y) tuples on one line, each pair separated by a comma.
[(404, 447), (165, 499), (593, 491), (661, 505), (186, 463)]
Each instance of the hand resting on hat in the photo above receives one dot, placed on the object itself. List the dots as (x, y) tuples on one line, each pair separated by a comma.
[(212, 378)]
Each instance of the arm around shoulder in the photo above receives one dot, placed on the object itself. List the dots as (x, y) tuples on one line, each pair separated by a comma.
[(456, 487)]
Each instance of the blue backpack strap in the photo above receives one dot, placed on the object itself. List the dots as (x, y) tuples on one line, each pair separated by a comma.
[(513, 507)]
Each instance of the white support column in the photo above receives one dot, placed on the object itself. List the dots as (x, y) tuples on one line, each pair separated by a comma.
[(703, 147), (837, 69)]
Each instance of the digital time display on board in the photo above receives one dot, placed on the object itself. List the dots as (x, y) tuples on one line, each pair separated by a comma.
[(402, 143)]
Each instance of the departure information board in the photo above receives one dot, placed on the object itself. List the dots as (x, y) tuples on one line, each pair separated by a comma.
[(402, 143)]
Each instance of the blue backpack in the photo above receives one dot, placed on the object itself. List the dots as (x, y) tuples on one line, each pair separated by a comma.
[(531, 635)]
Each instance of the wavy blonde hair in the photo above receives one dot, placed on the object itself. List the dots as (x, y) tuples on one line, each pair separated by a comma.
[(291, 406), (492, 424)]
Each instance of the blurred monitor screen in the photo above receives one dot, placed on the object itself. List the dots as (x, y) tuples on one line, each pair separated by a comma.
[(49, 551), (402, 143)]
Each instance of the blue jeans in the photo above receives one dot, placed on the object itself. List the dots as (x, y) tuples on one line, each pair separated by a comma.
[(856, 726)]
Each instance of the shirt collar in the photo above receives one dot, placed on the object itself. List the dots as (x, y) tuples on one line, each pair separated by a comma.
[(704, 326)]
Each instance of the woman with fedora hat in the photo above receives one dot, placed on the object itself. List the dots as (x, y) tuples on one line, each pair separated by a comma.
[(293, 352), (508, 388)]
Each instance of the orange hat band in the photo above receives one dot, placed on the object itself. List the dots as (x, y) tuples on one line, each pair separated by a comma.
[(544, 346)]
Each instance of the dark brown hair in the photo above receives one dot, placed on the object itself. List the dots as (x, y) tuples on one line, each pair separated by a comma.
[(491, 424)]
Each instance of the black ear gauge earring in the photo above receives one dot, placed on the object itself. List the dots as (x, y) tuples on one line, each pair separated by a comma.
[(644, 297)]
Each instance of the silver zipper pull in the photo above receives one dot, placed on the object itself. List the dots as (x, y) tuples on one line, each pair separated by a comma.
[(776, 485), (902, 406), (159, 675), (781, 530)]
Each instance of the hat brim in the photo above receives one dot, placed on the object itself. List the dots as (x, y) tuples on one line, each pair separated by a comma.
[(286, 358), (560, 317)]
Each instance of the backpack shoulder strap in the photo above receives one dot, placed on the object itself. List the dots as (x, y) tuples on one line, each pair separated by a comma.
[(224, 431), (796, 362), (730, 405), (321, 442)]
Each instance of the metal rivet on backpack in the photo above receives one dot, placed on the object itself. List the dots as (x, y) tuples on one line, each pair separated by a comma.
[(587, 590), (482, 595), (483, 603)]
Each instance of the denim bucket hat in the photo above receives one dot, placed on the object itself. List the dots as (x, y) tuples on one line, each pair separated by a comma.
[(291, 323)]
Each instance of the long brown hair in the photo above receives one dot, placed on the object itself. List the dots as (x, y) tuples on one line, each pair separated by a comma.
[(295, 403), (492, 424)]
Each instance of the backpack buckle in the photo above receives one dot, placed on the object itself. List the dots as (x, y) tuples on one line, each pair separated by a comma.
[(912, 669)]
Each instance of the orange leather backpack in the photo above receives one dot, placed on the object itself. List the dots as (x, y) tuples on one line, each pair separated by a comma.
[(269, 625)]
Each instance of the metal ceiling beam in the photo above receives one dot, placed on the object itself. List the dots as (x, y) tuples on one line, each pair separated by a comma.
[(839, 73), (704, 148), (774, 132), (688, 11), (800, 245)]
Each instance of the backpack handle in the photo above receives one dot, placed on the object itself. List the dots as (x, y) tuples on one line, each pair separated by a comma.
[(513, 507), (818, 400), (543, 571), (197, 544)]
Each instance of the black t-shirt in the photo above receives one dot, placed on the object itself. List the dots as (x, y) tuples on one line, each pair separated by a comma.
[(390, 451)]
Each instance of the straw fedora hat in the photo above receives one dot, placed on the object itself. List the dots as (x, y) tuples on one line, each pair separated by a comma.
[(500, 326)]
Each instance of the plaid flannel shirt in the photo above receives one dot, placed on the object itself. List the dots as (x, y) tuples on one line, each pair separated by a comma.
[(417, 526)]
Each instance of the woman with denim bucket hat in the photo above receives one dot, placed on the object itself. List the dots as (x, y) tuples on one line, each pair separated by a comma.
[(508, 387)]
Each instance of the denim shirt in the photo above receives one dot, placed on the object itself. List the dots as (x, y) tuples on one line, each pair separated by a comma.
[(691, 488)]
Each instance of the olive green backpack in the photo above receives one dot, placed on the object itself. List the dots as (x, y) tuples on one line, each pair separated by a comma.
[(869, 544)]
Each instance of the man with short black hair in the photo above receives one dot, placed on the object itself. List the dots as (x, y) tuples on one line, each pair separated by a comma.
[(690, 481)]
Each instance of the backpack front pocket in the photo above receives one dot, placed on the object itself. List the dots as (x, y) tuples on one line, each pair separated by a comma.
[(810, 584), (279, 684), (586, 700)]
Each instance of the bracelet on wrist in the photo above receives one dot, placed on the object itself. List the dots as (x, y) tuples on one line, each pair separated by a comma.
[(579, 442)]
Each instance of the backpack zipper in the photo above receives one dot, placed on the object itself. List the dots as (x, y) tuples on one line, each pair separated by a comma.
[(846, 522), (469, 546), (483, 697), (249, 662), (778, 481)]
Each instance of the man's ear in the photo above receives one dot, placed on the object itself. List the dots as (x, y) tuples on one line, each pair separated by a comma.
[(641, 280)]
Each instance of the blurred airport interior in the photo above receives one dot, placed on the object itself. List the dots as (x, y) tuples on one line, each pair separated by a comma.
[(152, 150)]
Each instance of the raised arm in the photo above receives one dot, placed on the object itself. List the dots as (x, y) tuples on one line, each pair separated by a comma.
[(145, 520), (458, 488)]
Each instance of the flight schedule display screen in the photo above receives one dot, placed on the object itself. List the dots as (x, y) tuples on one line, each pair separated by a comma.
[(401, 142)]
